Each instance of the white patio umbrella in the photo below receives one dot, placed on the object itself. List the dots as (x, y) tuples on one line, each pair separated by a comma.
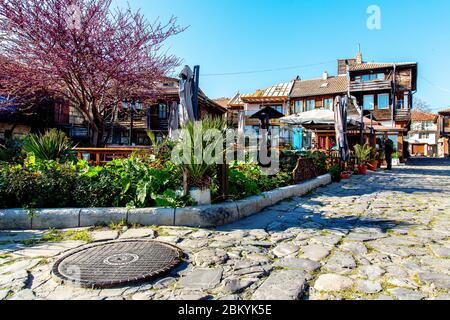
[(315, 117)]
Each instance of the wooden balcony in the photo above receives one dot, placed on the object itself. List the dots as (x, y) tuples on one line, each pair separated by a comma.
[(402, 115), (370, 86)]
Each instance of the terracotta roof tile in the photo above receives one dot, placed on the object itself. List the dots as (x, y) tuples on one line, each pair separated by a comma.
[(222, 102), (378, 65), (307, 88), (423, 116)]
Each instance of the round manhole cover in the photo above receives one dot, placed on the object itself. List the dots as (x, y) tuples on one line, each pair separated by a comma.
[(117, 263)]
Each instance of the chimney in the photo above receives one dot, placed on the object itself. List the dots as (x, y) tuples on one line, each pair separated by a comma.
[(325, 76), (359, 56)]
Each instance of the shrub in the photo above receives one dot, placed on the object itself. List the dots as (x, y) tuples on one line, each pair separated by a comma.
[(11, 152), (134, 182), (38, 185), (52, 145)]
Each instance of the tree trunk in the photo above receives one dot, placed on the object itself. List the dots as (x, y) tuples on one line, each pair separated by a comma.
[(97, 133)]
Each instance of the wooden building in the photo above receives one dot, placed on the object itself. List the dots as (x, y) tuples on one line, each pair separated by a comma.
[(275, 97), (154, 116), (382, 91)]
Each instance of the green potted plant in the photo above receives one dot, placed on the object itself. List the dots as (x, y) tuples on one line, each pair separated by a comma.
[(198, 161), (362, 153), (335, 172)]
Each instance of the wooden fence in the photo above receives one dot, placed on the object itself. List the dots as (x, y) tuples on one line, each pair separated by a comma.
[(100, 156)]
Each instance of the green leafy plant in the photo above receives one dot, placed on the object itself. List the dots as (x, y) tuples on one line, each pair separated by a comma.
[(198, 143), (52, 145), (11, 151), (335, 172), (362, 153)]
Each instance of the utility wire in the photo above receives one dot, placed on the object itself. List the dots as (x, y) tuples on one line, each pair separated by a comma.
[(434, 85), (266, 70)]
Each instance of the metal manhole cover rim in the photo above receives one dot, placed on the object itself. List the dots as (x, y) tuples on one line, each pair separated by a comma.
[(109, 284)]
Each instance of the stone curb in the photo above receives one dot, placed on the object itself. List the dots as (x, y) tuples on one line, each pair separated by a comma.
[(196, 217)]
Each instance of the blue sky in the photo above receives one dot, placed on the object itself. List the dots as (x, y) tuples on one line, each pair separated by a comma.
[(227, 36)]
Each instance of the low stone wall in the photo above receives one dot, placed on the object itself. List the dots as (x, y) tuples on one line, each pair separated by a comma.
[(197, 217)]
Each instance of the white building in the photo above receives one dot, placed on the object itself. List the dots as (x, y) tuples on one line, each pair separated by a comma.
[(424, 134)]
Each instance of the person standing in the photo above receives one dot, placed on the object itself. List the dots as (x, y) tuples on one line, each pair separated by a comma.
[(388, 151)]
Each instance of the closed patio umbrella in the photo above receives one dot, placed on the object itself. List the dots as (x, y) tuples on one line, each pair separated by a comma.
[(340, 114), (186, 93), (173, 120), (241, 123)]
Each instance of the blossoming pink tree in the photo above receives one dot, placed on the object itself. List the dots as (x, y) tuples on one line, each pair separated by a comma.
[(83, 51)]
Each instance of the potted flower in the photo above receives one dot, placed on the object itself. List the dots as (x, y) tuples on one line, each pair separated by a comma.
[(362, 153)]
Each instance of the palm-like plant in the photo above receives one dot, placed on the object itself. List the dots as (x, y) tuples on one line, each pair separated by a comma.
[(52, 145), (362, 153), (204, 150)]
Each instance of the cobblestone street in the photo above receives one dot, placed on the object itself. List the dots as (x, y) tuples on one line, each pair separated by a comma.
[(381, 236)]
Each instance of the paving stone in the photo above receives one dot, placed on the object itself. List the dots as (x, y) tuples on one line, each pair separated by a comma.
[(138, 233), (298, 264), (108, 235), (169, 239), (19, 266), (371, 272), (285, 249), (315, 252), (283, 285), (440, 251), (24, 295), (200, 279), (143, 296), (439, 280), (403, 283), (369, 287), (164, 283), (4, 293), (333, 283), (236, 285), (406, 294), (193, 244), (340, 263), (358, 249), (209, 257)]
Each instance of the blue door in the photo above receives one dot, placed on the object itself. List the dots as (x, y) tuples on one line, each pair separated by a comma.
[(297, 138)]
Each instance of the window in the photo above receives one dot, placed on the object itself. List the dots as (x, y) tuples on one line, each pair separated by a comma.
[(369, 102), (162, 111), (424, 136), (383, 101), (370, 77), (328, 104), (298, 107), (310, 105)]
